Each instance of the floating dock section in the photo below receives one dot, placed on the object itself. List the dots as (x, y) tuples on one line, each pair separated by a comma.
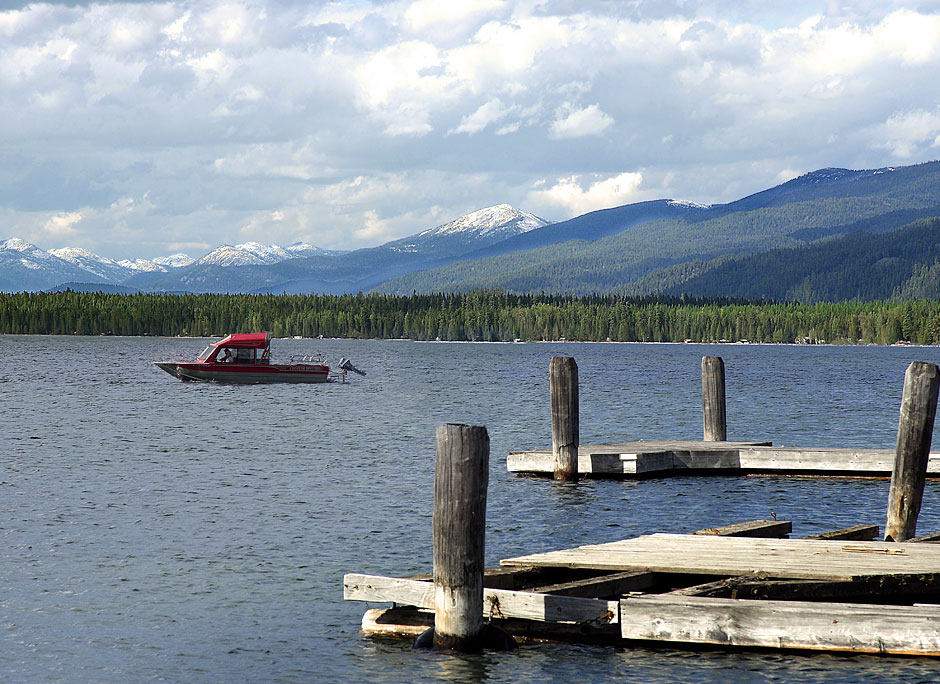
[(838, 592), (664, 458)]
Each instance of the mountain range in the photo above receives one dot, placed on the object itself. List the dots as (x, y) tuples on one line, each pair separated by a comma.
[(832, 222)]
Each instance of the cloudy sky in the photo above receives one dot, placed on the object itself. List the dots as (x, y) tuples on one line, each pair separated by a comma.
[(143, 128)]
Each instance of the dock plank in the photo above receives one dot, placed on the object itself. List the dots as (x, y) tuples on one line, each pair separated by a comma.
[(500, 603), (753, 528), (859, 628), (664, 457), (748, 556)]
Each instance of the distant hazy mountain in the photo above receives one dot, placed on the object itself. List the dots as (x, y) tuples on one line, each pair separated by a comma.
[(248, 254), (143, 265), (332, 272), (25, 267), (107, 269), (656, 245), (174, 260)]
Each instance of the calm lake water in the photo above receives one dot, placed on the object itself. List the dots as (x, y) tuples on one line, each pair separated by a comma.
[(154, 530)]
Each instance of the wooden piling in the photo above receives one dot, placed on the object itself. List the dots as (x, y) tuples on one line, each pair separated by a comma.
[(563, 382), (915, 431), (461, 476), (714, 416)]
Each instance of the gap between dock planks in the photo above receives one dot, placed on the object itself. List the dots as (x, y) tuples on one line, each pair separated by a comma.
[(675, 457)]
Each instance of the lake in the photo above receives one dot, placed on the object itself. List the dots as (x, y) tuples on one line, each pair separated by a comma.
[(154, 530)]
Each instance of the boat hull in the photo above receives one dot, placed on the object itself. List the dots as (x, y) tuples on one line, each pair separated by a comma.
[(246, 373)]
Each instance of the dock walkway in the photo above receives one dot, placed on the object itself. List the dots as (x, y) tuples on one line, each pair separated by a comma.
[(662, 458)]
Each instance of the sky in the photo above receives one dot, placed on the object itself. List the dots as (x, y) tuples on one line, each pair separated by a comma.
[(141, 129)]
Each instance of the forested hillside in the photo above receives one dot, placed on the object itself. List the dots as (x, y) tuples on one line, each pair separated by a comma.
[(611, 263), (481, 316), (902, 263)]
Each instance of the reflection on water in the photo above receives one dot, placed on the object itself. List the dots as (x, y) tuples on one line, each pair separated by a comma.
[(154, 529)]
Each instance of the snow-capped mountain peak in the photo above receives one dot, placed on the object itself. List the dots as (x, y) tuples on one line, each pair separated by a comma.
[(142, 265), (688, 204), (501, 219), (100, 266), (27, 250), (17, 244), (268, 255), (174, 260), (254, 254)]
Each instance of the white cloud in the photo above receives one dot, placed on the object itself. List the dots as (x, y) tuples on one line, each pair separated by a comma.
[(224, 113), (486, 114), (449, 20), (908, 134), (573, 196), (62, 224), (571, 122)]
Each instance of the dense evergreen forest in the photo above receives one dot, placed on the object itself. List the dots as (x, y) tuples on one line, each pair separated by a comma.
[(900, 264), (481, 316)]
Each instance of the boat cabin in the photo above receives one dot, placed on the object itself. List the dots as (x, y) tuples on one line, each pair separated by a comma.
[(239, 348)]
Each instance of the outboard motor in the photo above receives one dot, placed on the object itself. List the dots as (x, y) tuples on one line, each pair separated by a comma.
[(346, 365)]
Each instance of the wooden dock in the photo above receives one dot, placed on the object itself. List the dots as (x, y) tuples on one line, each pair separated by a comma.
[(744, 585), (712, 588), (664, 458)]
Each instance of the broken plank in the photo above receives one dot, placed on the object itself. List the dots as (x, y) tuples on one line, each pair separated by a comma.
[(718, 589), (932, 537), (855, 533), (874, 589), (606, 585), (755, 528), (859, 628), (497, 603)]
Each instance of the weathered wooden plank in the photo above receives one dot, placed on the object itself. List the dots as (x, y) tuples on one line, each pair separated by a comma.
[(932, 537), (857, 533), (496, 602), (397, 621), (410, 622), (877, 588), (712, 555), (635, 458), (605, 585), (834, 460), (753, 528), (857, 628), (718, 588)]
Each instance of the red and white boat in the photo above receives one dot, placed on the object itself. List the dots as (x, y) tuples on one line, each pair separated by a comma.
[(246, 358)]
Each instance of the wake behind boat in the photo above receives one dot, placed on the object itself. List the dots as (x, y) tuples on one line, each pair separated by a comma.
[(246, 358)]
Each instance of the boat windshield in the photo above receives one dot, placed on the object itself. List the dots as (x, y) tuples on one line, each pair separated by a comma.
[(205, 353)]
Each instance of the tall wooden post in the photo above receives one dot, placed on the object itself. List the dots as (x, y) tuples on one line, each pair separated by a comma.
[(461, 476), (915, 432), (714, 416), (563, 382)]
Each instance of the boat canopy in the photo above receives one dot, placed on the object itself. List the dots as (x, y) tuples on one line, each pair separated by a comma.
[(245, 341)]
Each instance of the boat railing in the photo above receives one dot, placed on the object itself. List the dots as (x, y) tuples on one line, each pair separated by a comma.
[(307, 358)]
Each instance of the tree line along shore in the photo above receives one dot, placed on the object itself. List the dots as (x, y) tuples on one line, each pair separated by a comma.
[(488, 316)]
